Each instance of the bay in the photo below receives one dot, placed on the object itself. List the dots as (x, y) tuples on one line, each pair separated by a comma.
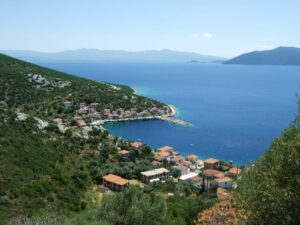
[(236, 110)]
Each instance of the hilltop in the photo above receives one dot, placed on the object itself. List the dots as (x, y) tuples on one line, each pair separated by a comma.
[(277, 56), (85, 55)]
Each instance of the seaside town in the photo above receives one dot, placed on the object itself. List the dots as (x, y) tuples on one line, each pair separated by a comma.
[(209, 174), (92, 114), (202, 175)]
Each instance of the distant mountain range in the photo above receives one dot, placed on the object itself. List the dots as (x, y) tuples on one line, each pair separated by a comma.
[(111, 55), (277, 56)]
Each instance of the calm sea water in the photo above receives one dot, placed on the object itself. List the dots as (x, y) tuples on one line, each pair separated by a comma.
[(236, 111)]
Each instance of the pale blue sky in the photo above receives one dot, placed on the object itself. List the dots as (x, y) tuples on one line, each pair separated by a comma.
[(217, 27)]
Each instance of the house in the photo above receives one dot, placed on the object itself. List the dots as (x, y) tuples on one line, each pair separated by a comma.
[(93, 105), (199, 164), (136, 144), (165, 155), (57, 120), (68, 104), (176, 160), (79, 120), (188, 176), (124, 154), (213, 173), (155, 175), (115, 182), (182, 169), (192, 158), (165, 149), (211, 163), (223, 194), (192, 178), (174, 153), (233, 172), (224, 182), (158, 158)]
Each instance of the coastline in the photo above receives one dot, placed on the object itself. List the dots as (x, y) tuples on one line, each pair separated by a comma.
[(168, 117), (135, 90), (173, 110)]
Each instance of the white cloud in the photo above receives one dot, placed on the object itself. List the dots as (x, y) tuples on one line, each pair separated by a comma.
[(207, 35)]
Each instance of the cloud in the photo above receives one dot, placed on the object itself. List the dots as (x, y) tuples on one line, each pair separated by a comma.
[(207, 35)]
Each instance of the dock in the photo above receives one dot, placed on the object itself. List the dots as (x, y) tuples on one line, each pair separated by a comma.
[(169, 119), (176, 121)]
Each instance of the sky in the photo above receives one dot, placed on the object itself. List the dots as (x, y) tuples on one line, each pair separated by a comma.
[(223, 28)]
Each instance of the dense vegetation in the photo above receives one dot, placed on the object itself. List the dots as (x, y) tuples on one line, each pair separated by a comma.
[(50, 176), (44, 96), (270, 190)]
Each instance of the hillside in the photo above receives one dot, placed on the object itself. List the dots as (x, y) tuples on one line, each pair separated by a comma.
[(84, 55), (277, 56), (51, 156)]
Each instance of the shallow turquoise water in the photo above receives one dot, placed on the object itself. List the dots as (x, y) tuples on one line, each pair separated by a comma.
[(236, 110)]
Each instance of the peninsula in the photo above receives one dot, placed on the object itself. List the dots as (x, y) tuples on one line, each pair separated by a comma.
[(277, 56)]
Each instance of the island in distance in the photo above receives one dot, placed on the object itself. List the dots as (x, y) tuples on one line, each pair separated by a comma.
[(97, 55), (277, 56)]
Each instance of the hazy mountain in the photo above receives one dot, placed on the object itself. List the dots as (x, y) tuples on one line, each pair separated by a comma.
[(277, 56), (111, 55)]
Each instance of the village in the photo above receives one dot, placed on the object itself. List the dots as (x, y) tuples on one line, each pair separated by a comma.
[(200, 175), (92, 114)]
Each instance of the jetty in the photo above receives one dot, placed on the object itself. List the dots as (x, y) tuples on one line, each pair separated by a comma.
[(166, 118), (176, 121)]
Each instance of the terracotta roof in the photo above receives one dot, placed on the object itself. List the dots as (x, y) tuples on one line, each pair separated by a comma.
[(219, 175), (211, 161), (224, 179), (176, 159), (196, 179), (136, 144), (192, 156), (158, 158), (164, 154), (115, 179), (123, 152), (175, 153), (235, 171), (165, 148), (211, 172)]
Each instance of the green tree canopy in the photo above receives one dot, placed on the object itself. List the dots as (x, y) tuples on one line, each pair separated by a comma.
[(270, 189)]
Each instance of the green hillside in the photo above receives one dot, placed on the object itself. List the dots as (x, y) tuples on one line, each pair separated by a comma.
[(44, 167)]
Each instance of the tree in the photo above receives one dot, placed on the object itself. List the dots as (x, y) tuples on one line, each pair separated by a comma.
[(270, 190), (133, 207)]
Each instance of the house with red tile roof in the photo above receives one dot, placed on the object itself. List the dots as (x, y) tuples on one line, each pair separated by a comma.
[(136, 144), (124, 154), (211, 163), (213, 173), (115, 182), (192, 158), (176, 160), (233, 172), (165, 149), (224, 182)]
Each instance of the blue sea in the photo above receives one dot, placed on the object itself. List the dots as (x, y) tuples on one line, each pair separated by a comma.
[(236, 110)]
